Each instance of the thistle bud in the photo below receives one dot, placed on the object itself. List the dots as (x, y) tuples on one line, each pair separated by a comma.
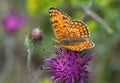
[(34, 38), (36, 35)]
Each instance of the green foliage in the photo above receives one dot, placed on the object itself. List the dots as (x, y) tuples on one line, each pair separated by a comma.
[(34, 7)]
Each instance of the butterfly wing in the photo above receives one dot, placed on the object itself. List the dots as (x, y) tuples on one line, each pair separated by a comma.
[(77, 37), (60, 22), (78, 46), (77, 30)]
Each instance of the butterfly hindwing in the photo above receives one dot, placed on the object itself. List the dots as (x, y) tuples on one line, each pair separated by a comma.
[(78, 46)]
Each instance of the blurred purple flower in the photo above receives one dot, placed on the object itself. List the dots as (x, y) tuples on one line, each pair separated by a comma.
[(70, 66), (12, 22)]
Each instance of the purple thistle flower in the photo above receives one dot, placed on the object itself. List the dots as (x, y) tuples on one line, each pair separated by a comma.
[(12, 22), (70, 66)]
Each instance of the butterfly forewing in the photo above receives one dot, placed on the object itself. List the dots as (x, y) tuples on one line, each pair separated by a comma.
[(77, 30), (60, 22)]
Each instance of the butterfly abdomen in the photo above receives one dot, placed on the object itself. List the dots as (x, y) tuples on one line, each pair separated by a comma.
[(68, 42)]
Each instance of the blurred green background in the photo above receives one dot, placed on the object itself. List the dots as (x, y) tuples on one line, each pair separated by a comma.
[(13, 53)]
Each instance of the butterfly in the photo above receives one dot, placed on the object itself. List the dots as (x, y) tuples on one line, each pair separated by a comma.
[(70, 34)]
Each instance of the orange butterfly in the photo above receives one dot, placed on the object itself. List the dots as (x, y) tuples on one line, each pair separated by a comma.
[(70, 34)]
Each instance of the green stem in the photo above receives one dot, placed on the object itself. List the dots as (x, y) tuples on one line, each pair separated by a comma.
[(29, 66)]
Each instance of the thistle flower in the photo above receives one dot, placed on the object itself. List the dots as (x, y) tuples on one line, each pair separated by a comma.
[(12, 22), (70, 66)]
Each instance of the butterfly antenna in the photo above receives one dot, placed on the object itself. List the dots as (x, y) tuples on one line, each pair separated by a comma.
[(54, 39)]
